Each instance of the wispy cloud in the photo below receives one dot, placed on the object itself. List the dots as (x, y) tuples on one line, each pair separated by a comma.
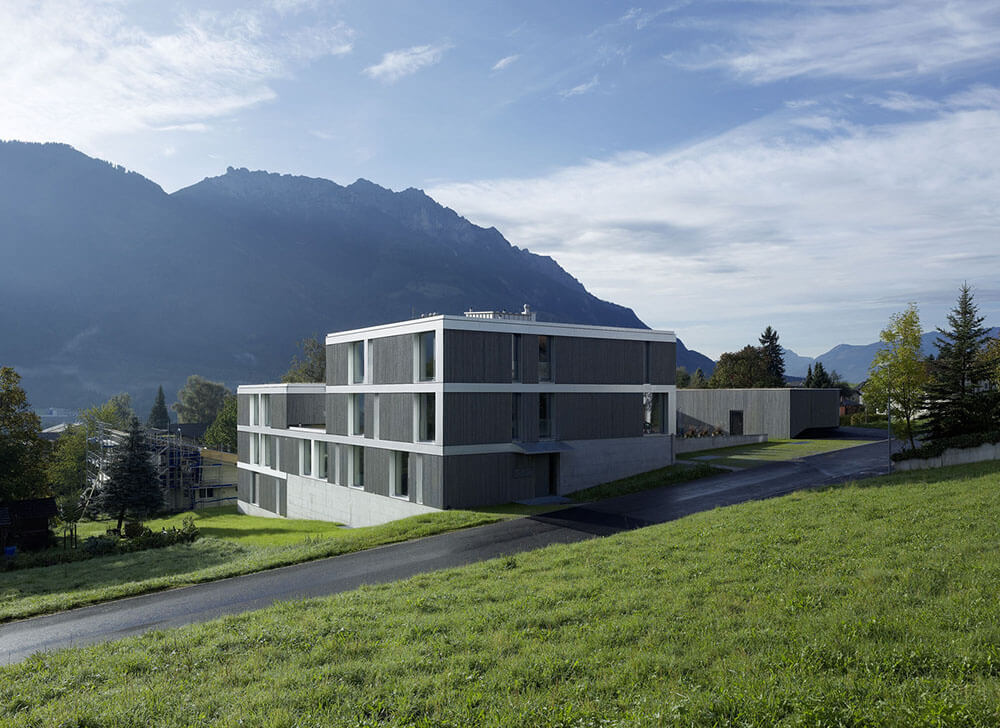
[(902, 101), (878, 39), (504, 62), (397, 64), (73, 71), (804, 221), (581, 89)]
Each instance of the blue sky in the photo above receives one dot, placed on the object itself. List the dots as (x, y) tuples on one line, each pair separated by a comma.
[(716, 166)]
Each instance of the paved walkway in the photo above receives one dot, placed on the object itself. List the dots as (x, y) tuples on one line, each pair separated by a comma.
[(202, 602)]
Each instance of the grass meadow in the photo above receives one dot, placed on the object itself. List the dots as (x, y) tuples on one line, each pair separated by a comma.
[(871, 604)]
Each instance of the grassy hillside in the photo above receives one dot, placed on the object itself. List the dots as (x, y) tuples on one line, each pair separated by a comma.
[(854, 606)]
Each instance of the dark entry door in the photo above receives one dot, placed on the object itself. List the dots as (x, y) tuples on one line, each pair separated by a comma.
[(735, 422)]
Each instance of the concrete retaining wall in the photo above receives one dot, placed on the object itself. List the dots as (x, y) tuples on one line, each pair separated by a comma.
[(592, 462), (697, 444), (955, 456), (319, 500)]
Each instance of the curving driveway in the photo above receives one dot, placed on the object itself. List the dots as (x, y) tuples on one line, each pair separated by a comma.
[(202, 602)]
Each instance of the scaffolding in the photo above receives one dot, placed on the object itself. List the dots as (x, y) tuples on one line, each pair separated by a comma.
[(177, 459)]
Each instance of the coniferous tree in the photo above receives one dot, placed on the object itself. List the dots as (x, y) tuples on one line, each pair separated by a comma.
[(775, 358), (132, 487), (820, 378), (158, 415), (698, 380), (808, 382), (960, 399)]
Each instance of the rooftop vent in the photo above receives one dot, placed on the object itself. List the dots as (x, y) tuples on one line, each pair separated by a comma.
[(526, 314)]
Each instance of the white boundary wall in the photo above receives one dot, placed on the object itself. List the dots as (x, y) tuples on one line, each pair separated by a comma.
[(697, 444), (954, 456), (314, 499)]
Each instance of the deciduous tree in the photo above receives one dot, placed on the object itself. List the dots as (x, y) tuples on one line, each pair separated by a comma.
[(682, 379), (22, 450), (311, 367), (698, 380), (741, 369), (200, 400), (898, 373), (221, 434)]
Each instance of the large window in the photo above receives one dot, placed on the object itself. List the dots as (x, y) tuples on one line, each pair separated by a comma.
[(654, 408), (544, 359), (255, 456), (545, 407), (322, 460), (305, 457), (254, 409), (269, 451), (426, 417), (358, 362), (265, 405), (515, 416), (356, 455), (401, 474), (357, 408), (425, 354), (515, 358), (255, 489)]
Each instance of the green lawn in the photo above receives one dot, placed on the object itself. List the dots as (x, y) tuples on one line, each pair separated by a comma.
[(752, 456), (225, 522), (670, 475), (851, 606), (232, 544)]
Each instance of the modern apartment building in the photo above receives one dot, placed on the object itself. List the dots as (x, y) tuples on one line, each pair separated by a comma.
[(455, 412)]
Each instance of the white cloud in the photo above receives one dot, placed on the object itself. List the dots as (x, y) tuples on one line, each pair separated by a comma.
[(581, 89), (74, 71), (504, 62), (902, 101), (874, 39), (397, 64), (770, 223)]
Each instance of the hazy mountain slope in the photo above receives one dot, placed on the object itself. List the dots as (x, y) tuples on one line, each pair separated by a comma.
[(110, 284)]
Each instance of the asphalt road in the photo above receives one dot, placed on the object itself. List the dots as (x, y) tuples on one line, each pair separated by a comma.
[(202, 602)]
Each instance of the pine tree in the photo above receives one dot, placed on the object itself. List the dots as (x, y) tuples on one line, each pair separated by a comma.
[(959, 398), (158, 415), (132, 487), (775, 357), (820, 379), (808, 383)]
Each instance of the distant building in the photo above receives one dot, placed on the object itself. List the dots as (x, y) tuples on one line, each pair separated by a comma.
[(778, 413), (455, 412)]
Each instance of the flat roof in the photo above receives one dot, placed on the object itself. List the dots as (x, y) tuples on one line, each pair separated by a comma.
[(465, 323)]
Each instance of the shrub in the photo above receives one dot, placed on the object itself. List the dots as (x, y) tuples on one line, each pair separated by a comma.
[(936, 448)]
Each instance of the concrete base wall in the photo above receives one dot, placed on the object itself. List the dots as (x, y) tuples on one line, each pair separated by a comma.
[(250, 509), (313, 499), (697, 444), (957, 456), (592, 462)]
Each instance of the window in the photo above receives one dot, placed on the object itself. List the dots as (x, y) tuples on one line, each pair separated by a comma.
[(358, 362), (206, 492), (255, 489), (357, 466), (545, 416), (401, 474), (544, 359), (425, 417), (305, 457), (322, 460), (254, 409), (268, 445), (515, 416), (425, 350), (357, 406), (515, 358), (418, 478), (255, 448), (265, 405), (654, 413)]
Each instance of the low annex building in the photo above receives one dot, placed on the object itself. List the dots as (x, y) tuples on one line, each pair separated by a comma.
[(780, 413), (456, 412)]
